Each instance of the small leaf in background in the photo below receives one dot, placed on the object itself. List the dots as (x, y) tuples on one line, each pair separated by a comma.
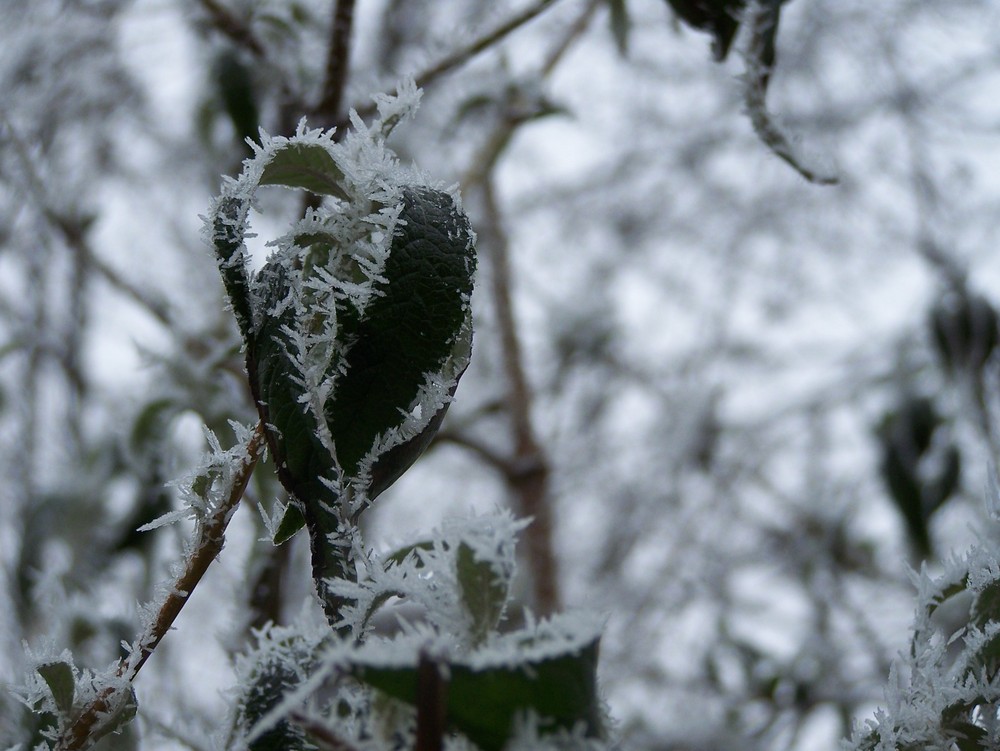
[(965, 329), (720, 18), (920, 467), (291, 522), (236, 89), (483, 589), (620, 25), (150, 424), (308, 166), (58, 676)]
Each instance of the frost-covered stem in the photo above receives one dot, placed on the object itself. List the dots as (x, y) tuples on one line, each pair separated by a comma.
[(528, 475), (209, 545), (338, 62), (760, 18), (331, 546), (211, 540)]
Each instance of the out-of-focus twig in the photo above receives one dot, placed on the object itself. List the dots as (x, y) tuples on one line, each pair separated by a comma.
[(232, 26), (338, 61)]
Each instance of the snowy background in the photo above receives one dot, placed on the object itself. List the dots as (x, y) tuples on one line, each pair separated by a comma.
[(706, 343)]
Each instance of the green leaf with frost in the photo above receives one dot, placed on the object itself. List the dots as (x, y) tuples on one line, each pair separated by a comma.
[(58, 676), (123, 710), (416, 317), (308, 166), (291, 522), (483, 590)]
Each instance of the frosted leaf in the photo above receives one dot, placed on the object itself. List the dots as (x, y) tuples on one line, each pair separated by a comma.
[(57, 686), (427, 575)]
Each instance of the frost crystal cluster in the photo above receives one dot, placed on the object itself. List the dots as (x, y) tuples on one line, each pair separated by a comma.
[(945, 692)]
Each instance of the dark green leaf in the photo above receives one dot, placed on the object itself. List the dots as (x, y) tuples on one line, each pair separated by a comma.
[(228, 232), (409, 329), (966, 330), (291, 522), (238, 94), (58, 676), (986, 607), (483, 702), (150, 424), (306, 166), (272, 679)]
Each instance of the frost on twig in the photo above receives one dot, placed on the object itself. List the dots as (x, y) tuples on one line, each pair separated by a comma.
[(761, 18), (102, 703)]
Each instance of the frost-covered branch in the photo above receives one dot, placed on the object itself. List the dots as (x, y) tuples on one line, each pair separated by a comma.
[(761, 18), (210, 538)]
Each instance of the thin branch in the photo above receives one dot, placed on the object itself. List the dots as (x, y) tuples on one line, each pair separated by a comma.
[(461, 56), (338, 61), (211, 540), (531, 485), (761, 17), (480, 449), (232, 26)]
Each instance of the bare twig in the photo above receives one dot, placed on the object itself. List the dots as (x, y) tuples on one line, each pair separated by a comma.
[(531, 484), (760, 17), (527, 472), (211, 541), (462, 55), (232, 26), (338, 61), (432, 703)]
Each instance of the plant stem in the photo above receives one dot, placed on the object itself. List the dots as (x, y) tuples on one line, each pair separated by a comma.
[(338, 62)]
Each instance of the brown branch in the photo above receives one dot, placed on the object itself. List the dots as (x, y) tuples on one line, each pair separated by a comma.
[(212, 536), (232, 26), (338, 61), (530, 484), (432, 704), (527, 472)]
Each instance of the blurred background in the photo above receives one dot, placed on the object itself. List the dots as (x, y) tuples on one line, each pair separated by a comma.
[(739, 406)]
